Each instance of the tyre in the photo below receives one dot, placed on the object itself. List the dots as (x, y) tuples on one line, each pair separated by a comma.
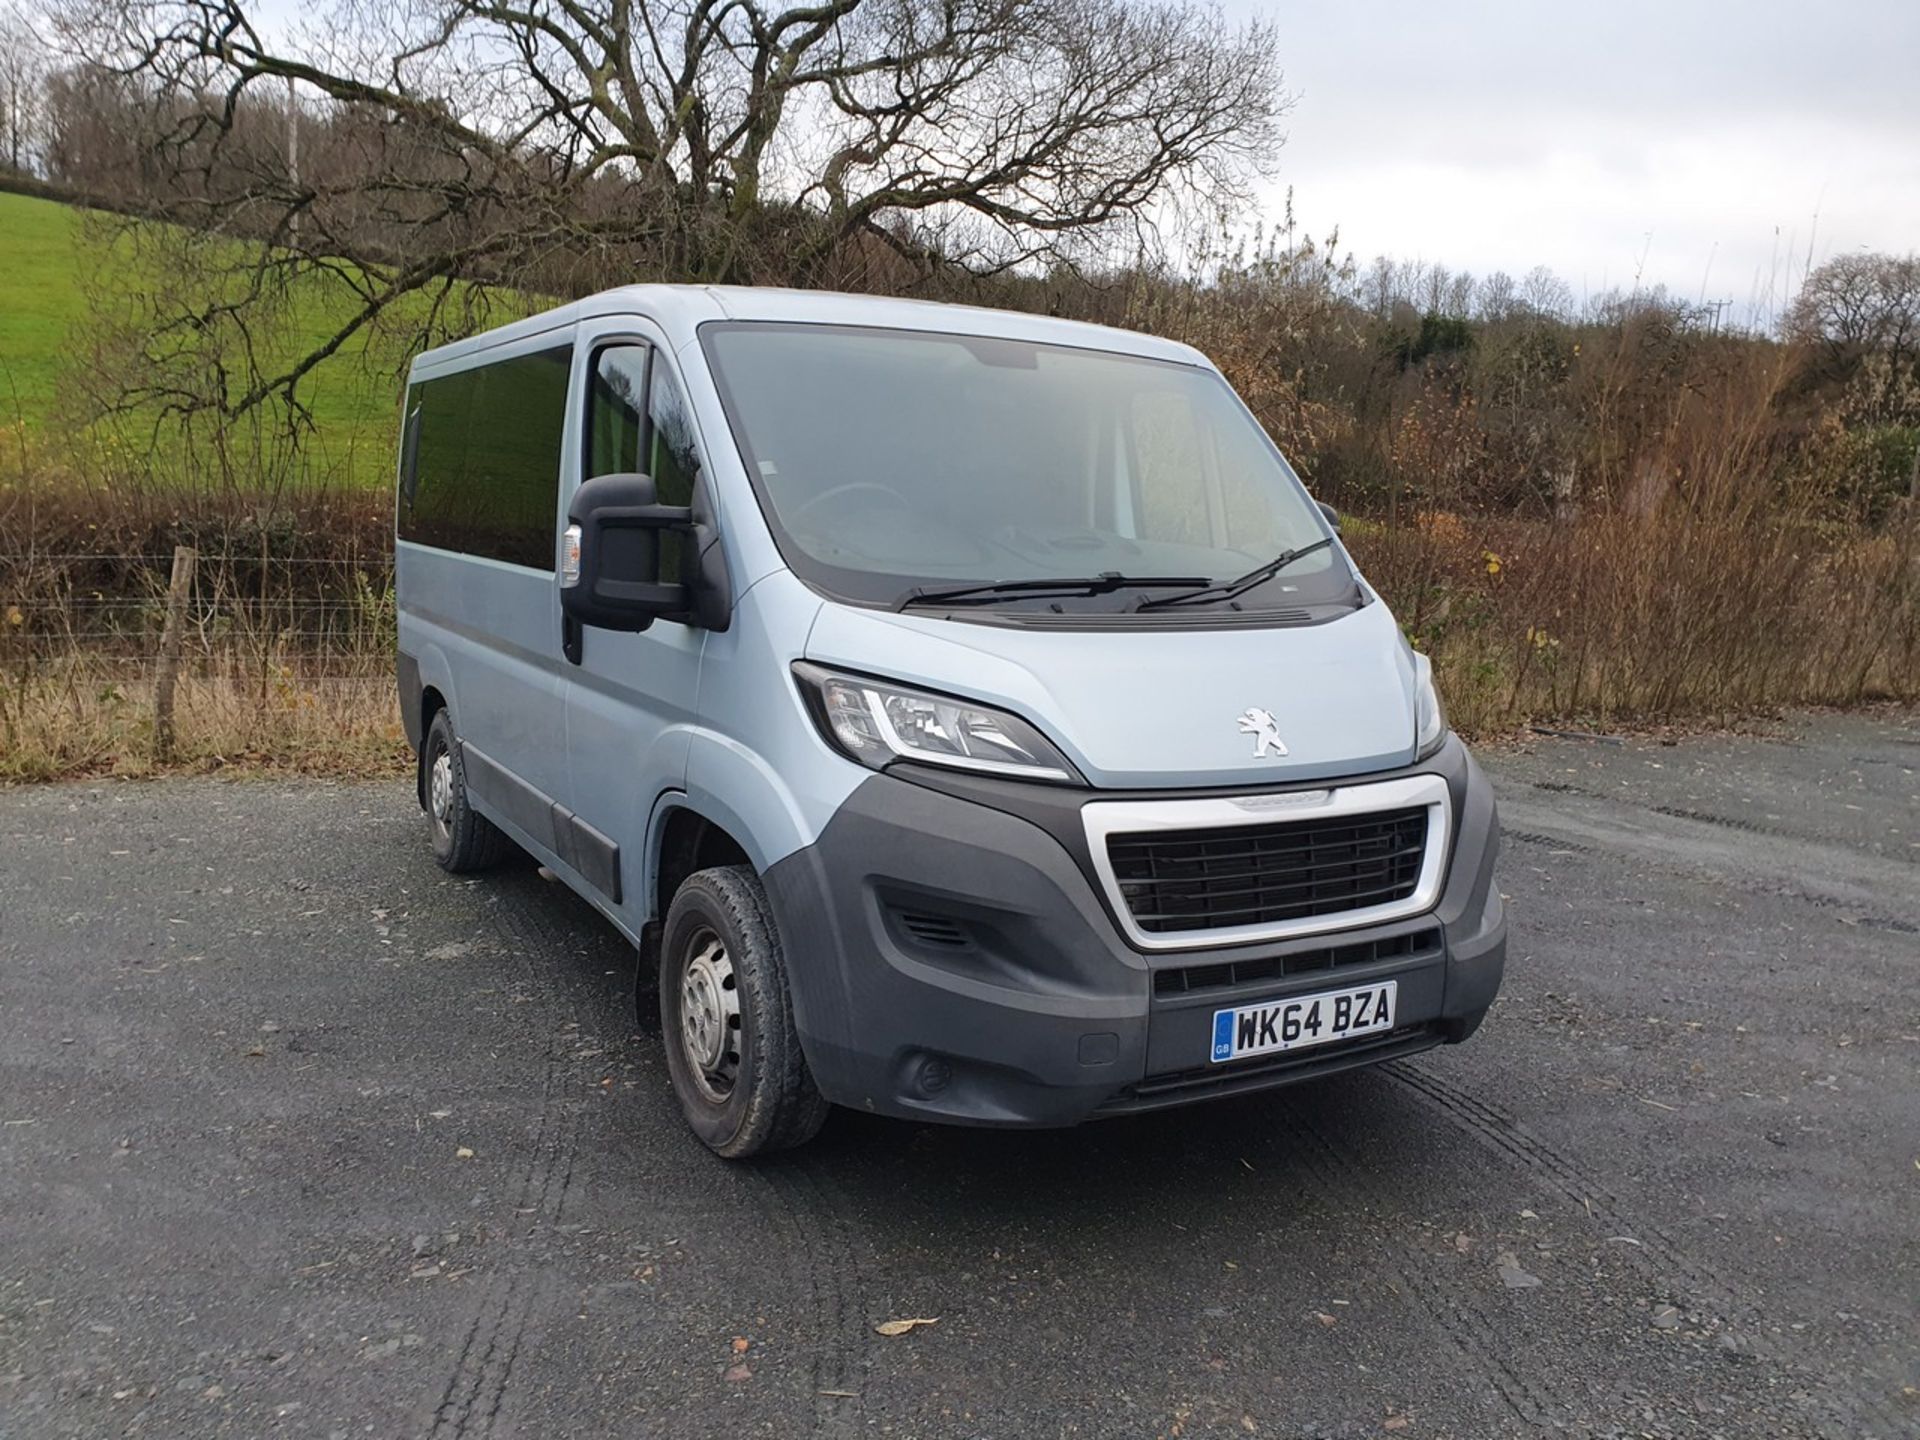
[(463, 839), (726, 1017)]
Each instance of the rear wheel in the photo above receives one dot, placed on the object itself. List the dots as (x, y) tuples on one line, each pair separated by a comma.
[(726, 1017), (463, 839)]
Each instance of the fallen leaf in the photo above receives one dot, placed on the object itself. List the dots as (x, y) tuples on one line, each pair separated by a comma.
[(1395, 1422), (740, 1344), (738, 1373), (1326, 1319), (902, 1327)]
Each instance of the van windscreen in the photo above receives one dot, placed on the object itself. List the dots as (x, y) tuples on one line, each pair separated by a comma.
[(888, 461)]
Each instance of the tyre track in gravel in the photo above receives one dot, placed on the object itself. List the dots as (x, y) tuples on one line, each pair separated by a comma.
[(1656, 1255), (1846, 912), (519, 1292), (808, 1213), (1457, 1314)]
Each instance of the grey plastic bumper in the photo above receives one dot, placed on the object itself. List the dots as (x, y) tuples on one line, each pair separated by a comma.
[(951, 961)]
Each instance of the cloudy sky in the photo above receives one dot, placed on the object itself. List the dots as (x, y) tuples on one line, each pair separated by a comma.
[(1688, 142)]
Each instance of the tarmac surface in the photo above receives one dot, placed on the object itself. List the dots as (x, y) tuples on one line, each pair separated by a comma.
[(299, 1137)]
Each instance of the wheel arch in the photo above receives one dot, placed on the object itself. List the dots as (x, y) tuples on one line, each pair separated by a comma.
[(685, 839), (432, 702), (431, 679)]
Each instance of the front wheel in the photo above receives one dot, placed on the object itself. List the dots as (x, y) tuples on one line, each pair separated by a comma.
[(726, 1017)]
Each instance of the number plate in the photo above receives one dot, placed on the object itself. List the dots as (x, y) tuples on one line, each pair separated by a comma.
[(1276, 1025)]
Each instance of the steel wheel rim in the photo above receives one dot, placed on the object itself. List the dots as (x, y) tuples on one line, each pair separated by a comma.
[(440, 788), (710, 1017)]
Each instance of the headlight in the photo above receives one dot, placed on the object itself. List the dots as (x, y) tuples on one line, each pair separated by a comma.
[(875, 723), (1430, 723)]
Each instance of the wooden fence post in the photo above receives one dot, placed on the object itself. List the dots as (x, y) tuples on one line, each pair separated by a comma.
[(179, 591)]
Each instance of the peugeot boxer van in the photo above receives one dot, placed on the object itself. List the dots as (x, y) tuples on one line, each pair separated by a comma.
[(968, 715)]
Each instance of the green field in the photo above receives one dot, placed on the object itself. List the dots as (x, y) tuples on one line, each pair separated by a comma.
[(57, 263)]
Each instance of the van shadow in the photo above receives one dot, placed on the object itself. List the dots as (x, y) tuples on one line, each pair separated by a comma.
[(1331, 1145)]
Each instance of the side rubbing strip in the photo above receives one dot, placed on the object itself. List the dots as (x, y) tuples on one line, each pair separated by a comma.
[(596, 858), (515, 800), (580, 847), (592, 854)]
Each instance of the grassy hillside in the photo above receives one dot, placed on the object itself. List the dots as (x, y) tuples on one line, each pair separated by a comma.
[(40, 301), (47, 251)]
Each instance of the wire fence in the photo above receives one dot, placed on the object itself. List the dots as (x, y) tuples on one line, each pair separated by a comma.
[(124, 663), (314, 616)]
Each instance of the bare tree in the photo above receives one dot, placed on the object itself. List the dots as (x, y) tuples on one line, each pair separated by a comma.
[(1496, 297), (23, 76), (1545, 293), (551, 144), (1858, 304)]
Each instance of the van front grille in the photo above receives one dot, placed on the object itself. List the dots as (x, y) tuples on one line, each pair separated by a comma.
[(1231, 974), (1231, 876), (928, 929)]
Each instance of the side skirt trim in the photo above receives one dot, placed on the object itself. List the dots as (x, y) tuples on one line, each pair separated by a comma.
[(593, 856)]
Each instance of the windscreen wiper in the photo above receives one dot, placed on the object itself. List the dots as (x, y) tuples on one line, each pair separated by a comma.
[(1105, 583), (1228, 589)]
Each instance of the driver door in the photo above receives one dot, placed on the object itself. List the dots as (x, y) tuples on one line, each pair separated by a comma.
[(630, 698)]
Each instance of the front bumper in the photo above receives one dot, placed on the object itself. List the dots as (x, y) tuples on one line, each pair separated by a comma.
[(952, 960)]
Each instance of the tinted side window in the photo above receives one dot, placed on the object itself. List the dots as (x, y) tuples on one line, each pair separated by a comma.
[(427, 512), (638, 423), (616, 413), (486, 472), (674, 460)]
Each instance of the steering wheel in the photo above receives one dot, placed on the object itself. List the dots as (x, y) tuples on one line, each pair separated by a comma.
[(806, 507)]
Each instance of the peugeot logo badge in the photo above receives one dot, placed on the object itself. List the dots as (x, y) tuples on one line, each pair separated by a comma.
[(1266, 735)]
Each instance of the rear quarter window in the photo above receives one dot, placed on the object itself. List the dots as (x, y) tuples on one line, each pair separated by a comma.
[(485, 473)]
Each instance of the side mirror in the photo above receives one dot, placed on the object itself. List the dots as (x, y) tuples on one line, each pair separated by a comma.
[(610, 555), (1333, 515)]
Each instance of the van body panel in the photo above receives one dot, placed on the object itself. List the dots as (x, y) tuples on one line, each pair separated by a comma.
[(495, 628), (757, 765), (631, 714), (1145, 708)]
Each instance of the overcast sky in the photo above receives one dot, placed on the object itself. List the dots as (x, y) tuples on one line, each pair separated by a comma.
[(1690, 142)]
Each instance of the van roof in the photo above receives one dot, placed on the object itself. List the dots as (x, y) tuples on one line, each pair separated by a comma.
[(681, 309)]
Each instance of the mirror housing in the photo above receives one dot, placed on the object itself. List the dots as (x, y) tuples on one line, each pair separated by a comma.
[(1333, 515), (610, 554)]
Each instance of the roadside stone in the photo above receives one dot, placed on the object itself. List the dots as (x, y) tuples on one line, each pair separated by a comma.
[(1512, 1275)]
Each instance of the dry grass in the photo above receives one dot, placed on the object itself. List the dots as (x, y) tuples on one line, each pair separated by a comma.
[(287, 644), (83, 716), (1604, 621), (1618, 619)]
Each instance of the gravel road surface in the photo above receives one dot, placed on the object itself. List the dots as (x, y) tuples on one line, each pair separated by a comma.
[(303, 1138)]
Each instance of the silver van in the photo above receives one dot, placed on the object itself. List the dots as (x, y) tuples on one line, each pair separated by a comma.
[(968, 714)]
